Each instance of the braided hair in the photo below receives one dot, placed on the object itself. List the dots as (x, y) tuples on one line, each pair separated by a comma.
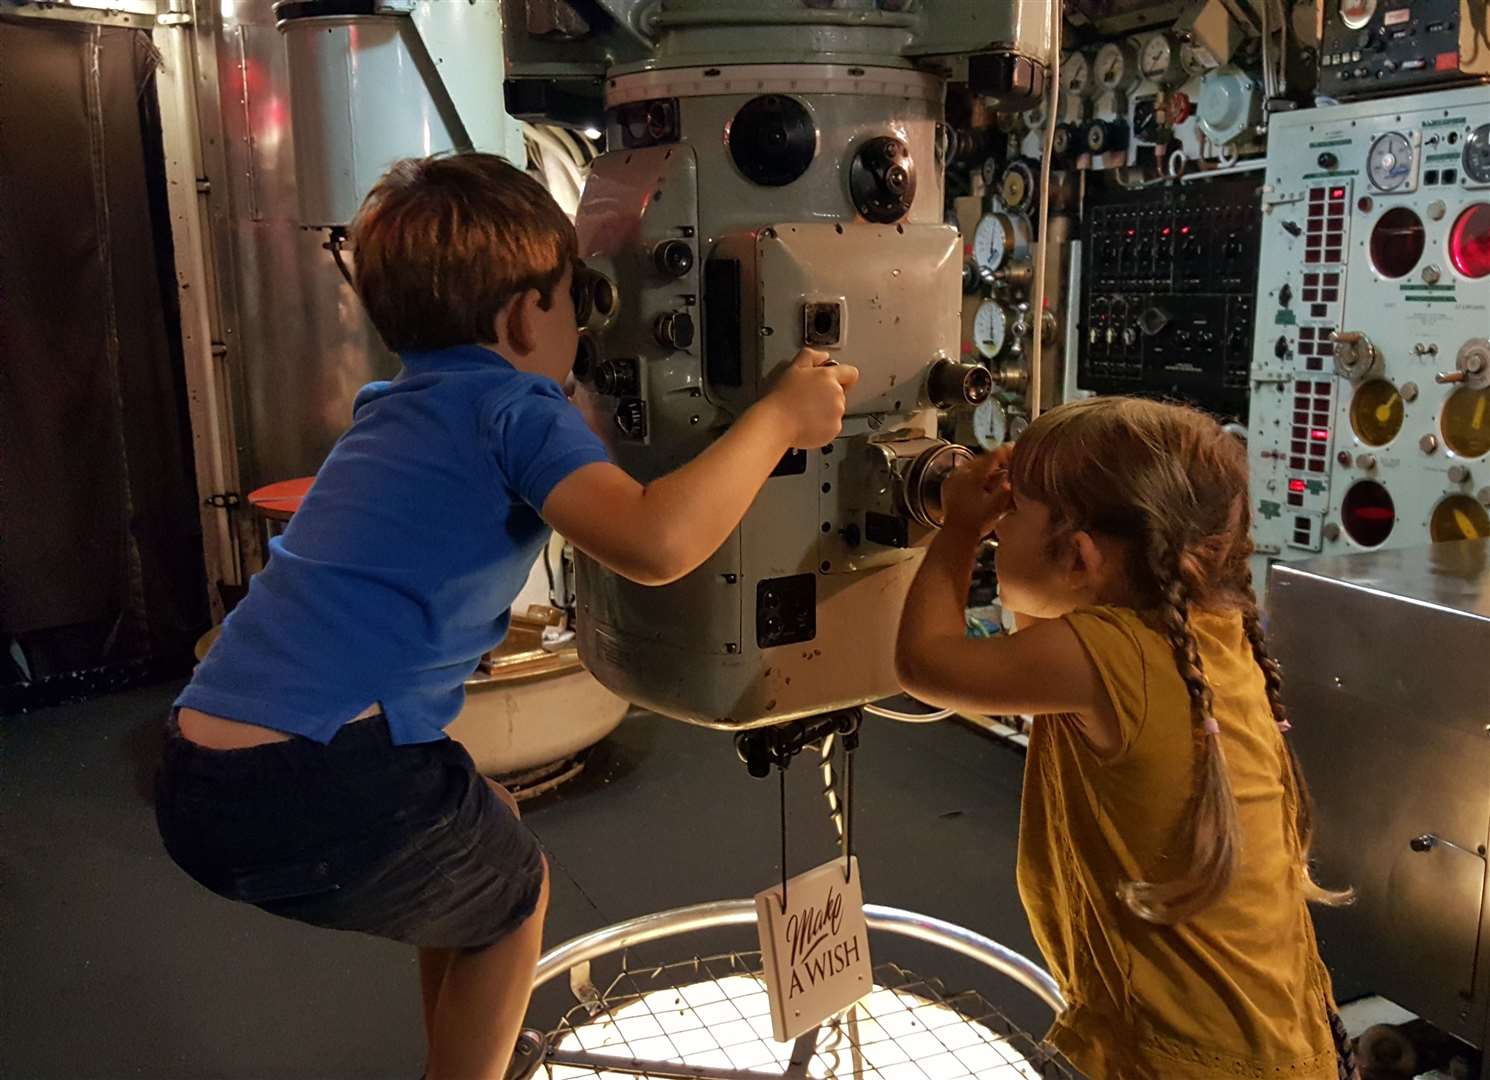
[(1171, 484)]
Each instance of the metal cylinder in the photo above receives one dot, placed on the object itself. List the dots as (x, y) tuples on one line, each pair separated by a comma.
[(949, 384)]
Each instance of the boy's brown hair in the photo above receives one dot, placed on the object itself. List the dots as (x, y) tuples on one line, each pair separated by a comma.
[(441, 243)]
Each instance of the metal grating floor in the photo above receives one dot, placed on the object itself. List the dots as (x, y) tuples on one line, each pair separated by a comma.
[(711, 1018)]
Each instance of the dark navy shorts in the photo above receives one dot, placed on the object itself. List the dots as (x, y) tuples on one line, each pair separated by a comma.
[(403, 842)]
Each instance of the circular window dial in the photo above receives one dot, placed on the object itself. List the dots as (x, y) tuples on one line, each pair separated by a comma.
[(1115, 67), (1368, 514), (1076, 74), (1459, 517), (991, 424), (991, 329), (1357, 13), (998, 238), (1389, 165), (1397, 241), (1376, 412), (1197, 59), (1477, 155), (1160, 61), (1017, 188), (1466, 421)]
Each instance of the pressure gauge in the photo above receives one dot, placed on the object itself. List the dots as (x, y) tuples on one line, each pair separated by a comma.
[(998, 238), (1160, 61), (1076, 74), (1389, 165), (991, 424), (1477, 155), (1197, 59), (991, 329), (1357, 13), (1115, 67), (1017, 188)]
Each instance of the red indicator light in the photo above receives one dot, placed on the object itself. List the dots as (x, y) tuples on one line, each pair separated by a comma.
[(1165, 231), (1319, 434), (1184, 230), (1296, 485), (1337, 193), (1469, 242)]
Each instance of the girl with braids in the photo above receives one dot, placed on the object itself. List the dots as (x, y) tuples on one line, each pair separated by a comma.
[(1164, 833)]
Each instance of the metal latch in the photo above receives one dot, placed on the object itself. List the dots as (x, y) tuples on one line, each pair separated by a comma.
[(223, 501)]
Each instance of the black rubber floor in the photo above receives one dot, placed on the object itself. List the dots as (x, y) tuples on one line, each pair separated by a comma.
[(115, 964)]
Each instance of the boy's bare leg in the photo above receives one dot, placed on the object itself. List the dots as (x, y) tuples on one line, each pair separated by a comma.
[(482, 1002)]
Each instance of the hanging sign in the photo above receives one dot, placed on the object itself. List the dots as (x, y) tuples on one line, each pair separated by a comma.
[(814, 947)]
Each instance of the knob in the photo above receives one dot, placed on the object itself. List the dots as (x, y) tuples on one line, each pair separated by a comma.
[(616, 378), (1458, 474), (1431, 274), (1451, 376), (673, 257), (1285, 294), (674, 330), (1280, 347), (1364, 461), (1328, 160), (949, 383), (970, 277), (631, 418), (1426, 842), (1428, 443)]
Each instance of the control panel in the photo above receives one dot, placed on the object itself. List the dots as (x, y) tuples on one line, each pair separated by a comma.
[(1375, 47), (1370, 410), (1170, 275)]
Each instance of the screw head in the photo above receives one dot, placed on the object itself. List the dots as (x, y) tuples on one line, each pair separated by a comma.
[(1409, 391)]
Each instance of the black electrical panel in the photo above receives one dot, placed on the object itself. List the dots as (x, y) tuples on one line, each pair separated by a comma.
[(1169, 275), (1372, 48)]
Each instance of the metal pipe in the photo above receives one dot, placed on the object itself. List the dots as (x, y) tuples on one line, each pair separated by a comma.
[(720, 913), (1037, 348), (208, 396)]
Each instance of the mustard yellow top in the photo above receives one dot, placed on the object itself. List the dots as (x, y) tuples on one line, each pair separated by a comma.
[(1236, 990)]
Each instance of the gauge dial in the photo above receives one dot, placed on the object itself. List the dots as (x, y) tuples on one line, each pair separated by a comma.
[(1115, 67), (991, 329), (991, 241), (1160, 61), (990, 424), (1390, 162), (1477, 155), (999, 237), (1197, 59), (1357, 13), (1076, 74), (1017, 188)]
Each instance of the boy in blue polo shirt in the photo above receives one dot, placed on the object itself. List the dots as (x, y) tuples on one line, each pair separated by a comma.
[(306, 769)]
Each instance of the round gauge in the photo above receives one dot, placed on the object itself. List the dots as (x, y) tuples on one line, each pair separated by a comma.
[(1017, 188), (990, 424), (1357, 13), (1114, 67), (991, 329), (1466, 421), (1458, 517), (1197, 59), (1076, 74), (1477, 155), (1389, 163), (992, 241), (1376, 412), (1159, 60)]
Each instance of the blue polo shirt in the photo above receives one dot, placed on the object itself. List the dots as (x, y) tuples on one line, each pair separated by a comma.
[(399, 569)]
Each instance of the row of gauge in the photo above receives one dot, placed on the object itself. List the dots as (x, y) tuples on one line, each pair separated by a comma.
[(997, 280)]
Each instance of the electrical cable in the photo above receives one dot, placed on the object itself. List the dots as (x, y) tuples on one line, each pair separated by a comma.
[(1037, 352), (908, 718)]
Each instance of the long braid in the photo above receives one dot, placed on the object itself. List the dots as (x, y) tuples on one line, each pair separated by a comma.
[(1298, 790), (1213, 813)]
